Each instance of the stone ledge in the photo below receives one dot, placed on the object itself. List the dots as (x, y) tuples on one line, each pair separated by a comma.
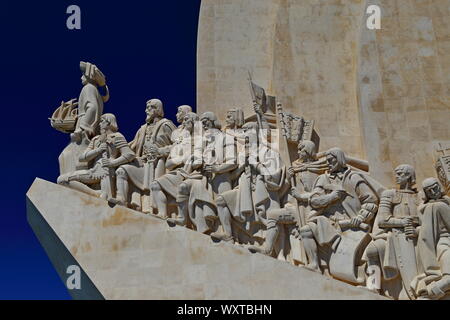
[(125, 254)]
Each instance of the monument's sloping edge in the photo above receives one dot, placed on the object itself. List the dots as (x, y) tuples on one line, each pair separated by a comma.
[(124, 254), (60, 257)]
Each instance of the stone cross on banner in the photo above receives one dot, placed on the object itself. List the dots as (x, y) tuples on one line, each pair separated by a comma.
[(297, 128), (267, 103)]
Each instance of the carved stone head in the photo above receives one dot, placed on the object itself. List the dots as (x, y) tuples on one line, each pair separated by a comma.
[(189, 121), (209, 120), (91, 74), (108, 122), (306, 151), (432, 189), (336, 160), (182, 111), (235, 118), (154, 109), (404, 175)]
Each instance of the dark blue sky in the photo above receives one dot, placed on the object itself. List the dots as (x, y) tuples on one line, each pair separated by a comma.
[(146, 49)]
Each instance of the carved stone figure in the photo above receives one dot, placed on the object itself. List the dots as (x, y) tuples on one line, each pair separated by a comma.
[(345, 204), (164, 189), (177, 134), (207, 178), (244, 184), (235, 204), (90, 102), (433, 243), (269, 191), (152, 146), (241, 220), (106, 151), (90, 108), (305, 169), (395, 236)]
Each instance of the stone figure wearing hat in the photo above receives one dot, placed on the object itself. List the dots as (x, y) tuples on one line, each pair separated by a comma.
[(90, 101), (81, 118)]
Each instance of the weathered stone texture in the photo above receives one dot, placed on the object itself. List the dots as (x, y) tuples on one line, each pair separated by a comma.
[(380, 95), (130, 255)]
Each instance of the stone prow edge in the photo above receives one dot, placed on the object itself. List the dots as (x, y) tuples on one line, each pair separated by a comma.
[(59, 255)]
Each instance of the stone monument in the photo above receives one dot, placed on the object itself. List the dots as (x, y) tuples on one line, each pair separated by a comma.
[(293, 197), (323, 63)]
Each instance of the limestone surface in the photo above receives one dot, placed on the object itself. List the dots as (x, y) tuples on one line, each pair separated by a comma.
[(125, 254), (381, 95)]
